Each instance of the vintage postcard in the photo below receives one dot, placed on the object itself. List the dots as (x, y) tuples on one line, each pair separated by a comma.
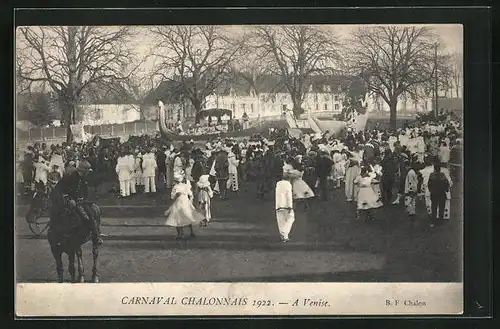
[(239, 170)]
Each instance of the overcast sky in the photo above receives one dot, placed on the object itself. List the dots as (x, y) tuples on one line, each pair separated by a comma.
[(450, 35)]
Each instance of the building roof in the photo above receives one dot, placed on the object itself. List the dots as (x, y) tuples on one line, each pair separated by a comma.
[(169, 92), (243, 84)]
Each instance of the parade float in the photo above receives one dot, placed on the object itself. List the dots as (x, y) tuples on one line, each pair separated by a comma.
[(212, 123)]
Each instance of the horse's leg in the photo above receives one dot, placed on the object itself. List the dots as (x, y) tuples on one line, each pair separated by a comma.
[(59, 265), (79, 259), (95, 254), (71, 265)]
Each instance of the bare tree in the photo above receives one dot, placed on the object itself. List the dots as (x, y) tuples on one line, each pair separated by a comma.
[(199, 58), (294, 53), (72, 59), (393, 61), (457, 67)]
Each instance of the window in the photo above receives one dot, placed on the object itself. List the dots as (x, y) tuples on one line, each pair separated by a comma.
[(233, 106), (326, 107), (243, 106), (251, 107), (317, 107), (336, 107), (336, 98)]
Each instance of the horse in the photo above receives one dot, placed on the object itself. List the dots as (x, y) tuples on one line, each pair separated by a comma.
[(80, 234)]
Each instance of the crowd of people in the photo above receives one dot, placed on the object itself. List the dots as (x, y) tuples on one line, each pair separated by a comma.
[(369, 165)]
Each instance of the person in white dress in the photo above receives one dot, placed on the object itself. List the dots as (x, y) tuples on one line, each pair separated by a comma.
[(182, 212), (42, 170), (300, 189), (339, 167), (285, 215), (367, 200), (352, 172)]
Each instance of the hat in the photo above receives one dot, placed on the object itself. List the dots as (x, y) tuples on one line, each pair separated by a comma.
[(84, 166), (203, 181), (179, 176)]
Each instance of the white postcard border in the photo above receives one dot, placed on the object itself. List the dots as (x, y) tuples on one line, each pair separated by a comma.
[(237, 299)]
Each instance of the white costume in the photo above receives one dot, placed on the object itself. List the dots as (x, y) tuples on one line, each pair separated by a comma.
[(367, 198), (42, 170), (233, 171), (178, 166), (131, 183), (426, 172), (300, 189), (149, 171), (285, 215), (57, 160), (124, 170), (203, 196), (182, 212)]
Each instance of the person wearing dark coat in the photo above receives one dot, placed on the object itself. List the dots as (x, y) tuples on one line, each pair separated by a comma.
[(161, 159), (323, 168), (389, 171), (222, 172), (438, 186), (71, 192)]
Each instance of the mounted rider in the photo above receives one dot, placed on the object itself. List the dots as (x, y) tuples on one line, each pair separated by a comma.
[(70, 192)]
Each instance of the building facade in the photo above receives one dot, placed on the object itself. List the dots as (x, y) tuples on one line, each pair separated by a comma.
[(99, 114)]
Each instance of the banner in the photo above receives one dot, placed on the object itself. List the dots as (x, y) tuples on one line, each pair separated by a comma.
[(79, 134)]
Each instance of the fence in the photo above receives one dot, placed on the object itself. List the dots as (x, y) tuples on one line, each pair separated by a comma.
[(56, 133)]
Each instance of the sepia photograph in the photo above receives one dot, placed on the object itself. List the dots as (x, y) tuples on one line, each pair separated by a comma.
[(208, 160)]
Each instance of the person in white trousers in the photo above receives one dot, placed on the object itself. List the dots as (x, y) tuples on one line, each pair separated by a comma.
[(149, 172), (285, 214), (131, 160), (124, 171)]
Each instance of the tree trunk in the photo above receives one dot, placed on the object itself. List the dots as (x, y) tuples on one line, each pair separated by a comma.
[(297, 107), (68, 113), (393, 107), (197, 110)]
